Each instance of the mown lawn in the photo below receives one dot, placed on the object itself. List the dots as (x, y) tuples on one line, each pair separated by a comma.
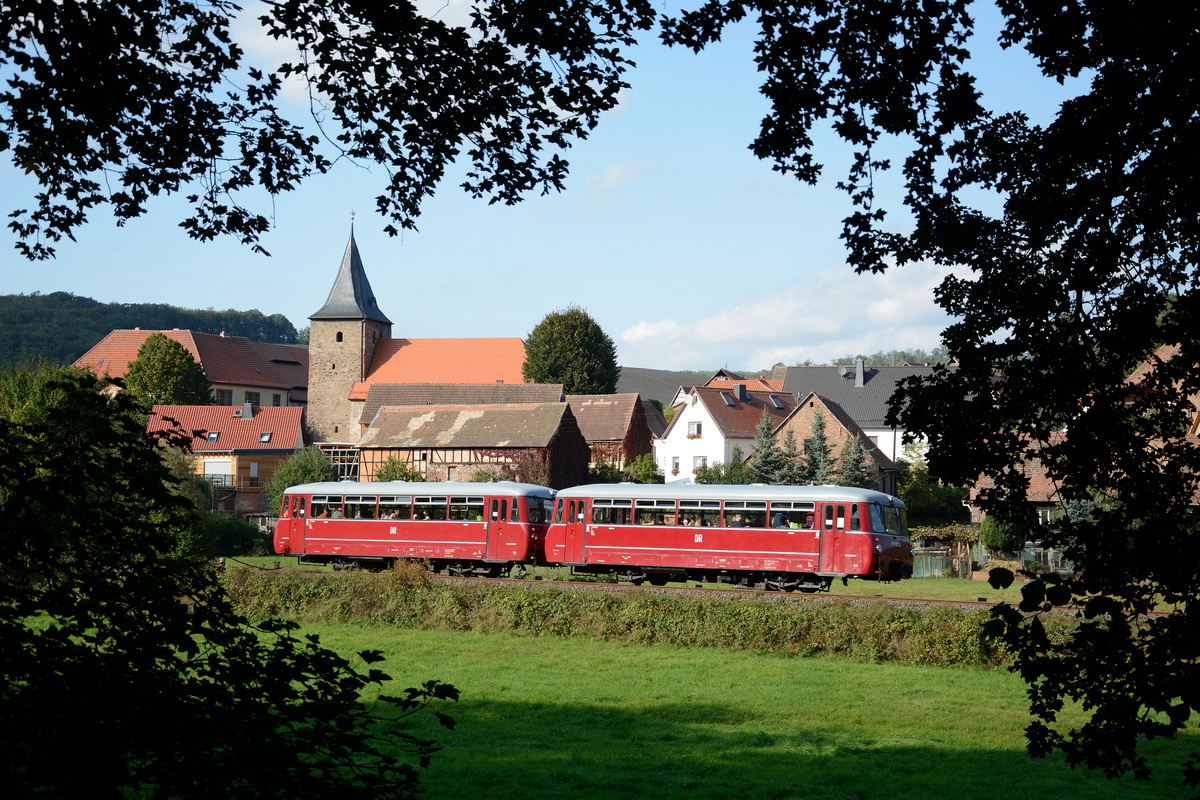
[(554, 718)]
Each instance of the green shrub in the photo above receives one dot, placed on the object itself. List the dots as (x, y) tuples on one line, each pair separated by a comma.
[(872, 631)]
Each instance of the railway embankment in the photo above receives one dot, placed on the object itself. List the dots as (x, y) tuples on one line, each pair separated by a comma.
[(865, 629)]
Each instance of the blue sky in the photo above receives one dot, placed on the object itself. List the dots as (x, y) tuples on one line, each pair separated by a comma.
[(688, 251)]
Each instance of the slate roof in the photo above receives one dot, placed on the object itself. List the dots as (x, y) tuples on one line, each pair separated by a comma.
[(654, 384), (867, 404), (451, 426), (234, 432), (444, 361), (351, 296), (654, 419), (225, 359), (603, 417), (440, 394)]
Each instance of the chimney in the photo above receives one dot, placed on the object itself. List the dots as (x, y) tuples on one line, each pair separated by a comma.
[(860, 378), (740, 390), (247, 411)]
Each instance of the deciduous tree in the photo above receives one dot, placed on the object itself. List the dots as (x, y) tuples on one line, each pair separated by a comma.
[(393, 469), (568, 347), (165, 373), (309, 465), (137, 673), (1074, 239)]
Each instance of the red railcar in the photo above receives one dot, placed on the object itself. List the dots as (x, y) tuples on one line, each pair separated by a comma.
[(460, 528), (776, 537)]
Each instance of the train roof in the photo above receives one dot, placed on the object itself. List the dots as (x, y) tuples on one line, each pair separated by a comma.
[(700, 491), (359, 488)]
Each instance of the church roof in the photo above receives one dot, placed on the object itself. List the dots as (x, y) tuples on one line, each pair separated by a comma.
[(351, 296), (445, 361)]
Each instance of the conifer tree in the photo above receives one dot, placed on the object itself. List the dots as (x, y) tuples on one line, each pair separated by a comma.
[(765, 459), (818, 465), (854, 468), (791, 473)]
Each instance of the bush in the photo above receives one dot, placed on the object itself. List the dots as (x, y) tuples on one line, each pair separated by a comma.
[(869, 631)]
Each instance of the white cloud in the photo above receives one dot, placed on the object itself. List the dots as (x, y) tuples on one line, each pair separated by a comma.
[(831, 314), (600, 190)]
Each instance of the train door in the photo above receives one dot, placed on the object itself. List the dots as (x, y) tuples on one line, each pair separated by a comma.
[(576, 529), (497, 525), (289, 532), (833, 533)]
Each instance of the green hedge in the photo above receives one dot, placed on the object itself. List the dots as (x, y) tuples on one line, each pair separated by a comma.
[(865, 630)]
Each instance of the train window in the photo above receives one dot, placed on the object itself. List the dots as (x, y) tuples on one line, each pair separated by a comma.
[(395, 507), (540, 510), (795, 514), (855, 520), (431, 508), (829, 517), (466, 508), (654, 512), (558, 512), (876, 517), (700, 513), (841, 517), (360, 507), (745, 514), (611, 512), (516, 511), (327, 507), (894, 522)]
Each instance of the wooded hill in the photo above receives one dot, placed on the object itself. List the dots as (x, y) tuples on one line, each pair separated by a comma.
[(62, 326)]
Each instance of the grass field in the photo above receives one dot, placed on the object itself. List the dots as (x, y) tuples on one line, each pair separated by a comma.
[(554, 718)]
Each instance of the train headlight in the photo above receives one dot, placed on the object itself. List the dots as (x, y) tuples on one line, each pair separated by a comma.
[(879, 549)]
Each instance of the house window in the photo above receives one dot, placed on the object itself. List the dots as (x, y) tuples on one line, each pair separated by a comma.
[(674, 465), (252, 398), (224, 397), (693, 430), (264, 437), (699, 462), (339, 336), (276, 400), (211, 436)]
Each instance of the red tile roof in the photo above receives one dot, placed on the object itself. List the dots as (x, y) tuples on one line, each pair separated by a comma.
[(225, 359), (604, 417), (447, 361), (233, 432), (462, 426), (740, 420), (752, 384)]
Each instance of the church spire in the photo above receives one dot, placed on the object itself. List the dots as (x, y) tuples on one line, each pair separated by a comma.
[(351, 296)]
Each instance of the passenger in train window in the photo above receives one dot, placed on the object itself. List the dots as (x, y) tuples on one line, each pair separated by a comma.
[(779, 520), (736, 521)]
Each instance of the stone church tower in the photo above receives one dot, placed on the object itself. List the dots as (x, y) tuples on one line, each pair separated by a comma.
[(341, 341)]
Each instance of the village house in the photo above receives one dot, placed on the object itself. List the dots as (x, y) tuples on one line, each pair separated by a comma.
[(237, 448), (710, 422), (239, 371), (533, 442), (839, 428), (614, 425), (455, 394)]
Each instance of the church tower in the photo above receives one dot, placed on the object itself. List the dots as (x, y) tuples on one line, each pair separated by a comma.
[(341, 342)]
